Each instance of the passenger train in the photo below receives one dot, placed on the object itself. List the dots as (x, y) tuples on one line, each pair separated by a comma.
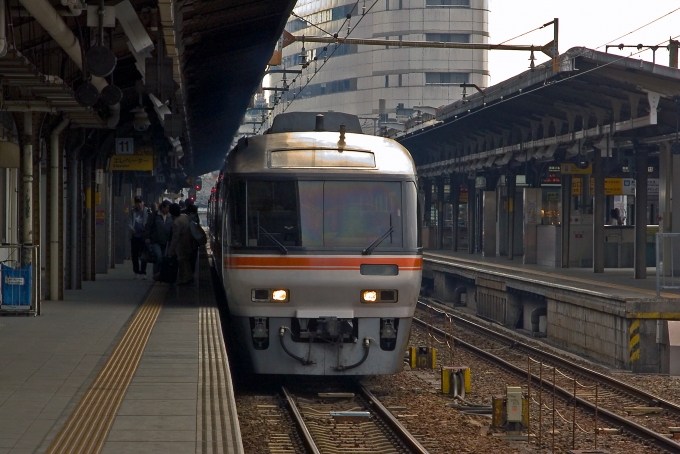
[(314, 231)]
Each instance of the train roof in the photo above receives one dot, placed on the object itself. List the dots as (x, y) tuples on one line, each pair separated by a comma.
[(319, 153), (306, 121)]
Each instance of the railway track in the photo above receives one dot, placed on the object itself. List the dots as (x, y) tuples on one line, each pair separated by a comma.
[(348, 423), (615, 395)]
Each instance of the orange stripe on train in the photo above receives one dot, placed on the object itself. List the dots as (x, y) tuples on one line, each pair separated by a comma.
[(319, 263)]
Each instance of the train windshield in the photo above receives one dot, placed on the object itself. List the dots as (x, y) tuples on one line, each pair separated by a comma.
[(317, 214)]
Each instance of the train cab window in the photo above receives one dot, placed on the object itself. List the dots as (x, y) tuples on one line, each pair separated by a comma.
[(356, 213), (272, 214), (320, 214)]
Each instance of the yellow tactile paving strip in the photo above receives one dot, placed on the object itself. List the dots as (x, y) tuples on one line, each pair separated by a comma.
[(217, 426), (87, 428)]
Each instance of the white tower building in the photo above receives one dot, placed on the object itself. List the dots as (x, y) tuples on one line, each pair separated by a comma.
[(355, 77)]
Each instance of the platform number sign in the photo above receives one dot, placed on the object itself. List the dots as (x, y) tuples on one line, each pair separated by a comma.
[(125, 145)]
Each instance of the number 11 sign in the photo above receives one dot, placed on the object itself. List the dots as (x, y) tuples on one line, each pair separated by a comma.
[(125, 145)]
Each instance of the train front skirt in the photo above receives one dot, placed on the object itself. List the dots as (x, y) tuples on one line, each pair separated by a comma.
[(273, 346)]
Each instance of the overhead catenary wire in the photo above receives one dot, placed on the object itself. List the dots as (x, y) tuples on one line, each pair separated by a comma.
[(310, 78), (347, 18), (527, 92), (598, 47), (350, 30), (640, 28), (354, 7), (310, 23), (523, 34)]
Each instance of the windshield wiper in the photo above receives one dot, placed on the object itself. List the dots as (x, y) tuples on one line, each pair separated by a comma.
[(377, 242), (271, 237)]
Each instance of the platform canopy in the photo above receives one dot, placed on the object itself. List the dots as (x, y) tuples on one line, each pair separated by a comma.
[(550, 116), (225, 66), (192, 64)]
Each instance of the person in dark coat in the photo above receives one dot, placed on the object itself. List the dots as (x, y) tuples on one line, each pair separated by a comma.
[(191, 212), (182, 245), (136, 222), (158, 233)]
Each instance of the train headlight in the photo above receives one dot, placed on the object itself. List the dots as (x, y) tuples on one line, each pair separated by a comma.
[(265, 295), (280, 295), (379, 296), (369, 296)]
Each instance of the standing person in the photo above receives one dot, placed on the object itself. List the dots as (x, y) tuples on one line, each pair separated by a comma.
[(191, 211), (182, 244), (613, 217), (158, 233), (136, 222)]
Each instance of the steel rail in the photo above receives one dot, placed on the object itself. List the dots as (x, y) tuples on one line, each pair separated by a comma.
[(300, 423), (584, 371), (393, 423), (633, 427)]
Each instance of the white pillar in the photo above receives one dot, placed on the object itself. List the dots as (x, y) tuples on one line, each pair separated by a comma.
[(489, 224), (531, 219), (54, 209)]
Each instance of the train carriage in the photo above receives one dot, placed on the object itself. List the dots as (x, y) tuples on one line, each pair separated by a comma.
[(314, 228)]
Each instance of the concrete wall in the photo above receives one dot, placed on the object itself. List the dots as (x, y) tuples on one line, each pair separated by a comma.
[(600, 327), (588, 332)]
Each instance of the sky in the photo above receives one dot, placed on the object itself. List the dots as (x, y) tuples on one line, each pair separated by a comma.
[(589, 23)]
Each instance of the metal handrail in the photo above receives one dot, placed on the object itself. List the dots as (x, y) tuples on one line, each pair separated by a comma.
[(664, 264)]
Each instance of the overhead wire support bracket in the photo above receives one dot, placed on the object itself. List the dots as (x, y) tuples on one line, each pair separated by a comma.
[(550, 49), (283, 71), (546, 49)]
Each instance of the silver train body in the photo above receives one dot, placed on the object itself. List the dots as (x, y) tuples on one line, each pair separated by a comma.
[(315, 239)]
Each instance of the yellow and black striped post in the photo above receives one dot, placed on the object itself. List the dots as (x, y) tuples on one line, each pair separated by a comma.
[(634, 342)]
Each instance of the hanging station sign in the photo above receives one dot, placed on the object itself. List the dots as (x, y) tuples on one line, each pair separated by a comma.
[(616, 186), (131, 162), (568, 168)]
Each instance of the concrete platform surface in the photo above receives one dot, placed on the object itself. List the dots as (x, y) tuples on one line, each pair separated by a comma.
[(49, 362), (615, 282)]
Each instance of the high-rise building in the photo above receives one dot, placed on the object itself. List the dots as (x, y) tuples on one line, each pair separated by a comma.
[(356, 77)]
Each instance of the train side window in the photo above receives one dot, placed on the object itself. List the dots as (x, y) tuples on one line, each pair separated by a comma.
[(410, 206), (237, 213)]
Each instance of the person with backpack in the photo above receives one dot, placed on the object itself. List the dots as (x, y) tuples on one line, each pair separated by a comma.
[(183, 245), (158, 234)]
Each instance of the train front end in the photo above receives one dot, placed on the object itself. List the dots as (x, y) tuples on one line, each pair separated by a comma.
[(320, 256)]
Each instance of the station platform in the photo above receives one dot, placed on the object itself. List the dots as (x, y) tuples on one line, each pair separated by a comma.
[(609, 317), (614, 282), (121, 366)]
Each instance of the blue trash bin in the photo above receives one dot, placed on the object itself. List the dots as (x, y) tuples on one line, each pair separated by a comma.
[(16, 286)]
